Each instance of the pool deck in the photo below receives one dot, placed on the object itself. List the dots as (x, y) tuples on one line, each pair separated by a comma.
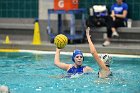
[(114, 48), (20, 32)]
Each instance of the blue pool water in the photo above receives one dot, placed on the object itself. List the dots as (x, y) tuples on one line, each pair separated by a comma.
[(36, 73)]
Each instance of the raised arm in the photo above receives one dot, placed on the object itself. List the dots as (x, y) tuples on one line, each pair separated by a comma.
[(57, 61), (94, 52)]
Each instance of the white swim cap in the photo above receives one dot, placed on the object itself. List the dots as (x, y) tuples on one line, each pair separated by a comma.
[(4, 89), (106, 58)]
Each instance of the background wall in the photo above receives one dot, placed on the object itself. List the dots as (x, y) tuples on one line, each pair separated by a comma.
[(44, 5), (18, 8), (38, 8)]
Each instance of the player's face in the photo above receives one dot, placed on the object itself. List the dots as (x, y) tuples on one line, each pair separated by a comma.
[(78, 59), (119, 1)]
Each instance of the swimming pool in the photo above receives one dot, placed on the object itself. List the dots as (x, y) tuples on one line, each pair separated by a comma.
[(30, 72)]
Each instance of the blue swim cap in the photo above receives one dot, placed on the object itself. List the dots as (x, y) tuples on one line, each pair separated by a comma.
[(76, 52)]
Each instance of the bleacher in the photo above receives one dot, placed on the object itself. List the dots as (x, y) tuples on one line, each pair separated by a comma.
[(26, 27), (15, 23), (127, 35), (17, 29), (21, 35)]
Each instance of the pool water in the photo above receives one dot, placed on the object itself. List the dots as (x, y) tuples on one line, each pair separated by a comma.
[(36, 73)]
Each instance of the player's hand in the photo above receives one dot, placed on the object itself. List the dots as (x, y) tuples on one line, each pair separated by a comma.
[(87, 31), (57, 49), (113, 17)]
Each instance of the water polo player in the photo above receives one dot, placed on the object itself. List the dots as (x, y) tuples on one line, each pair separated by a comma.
[(75, 68), (77, 57), (103, 60)]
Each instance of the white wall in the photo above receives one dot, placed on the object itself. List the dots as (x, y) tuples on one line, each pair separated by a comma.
[(44, 5)]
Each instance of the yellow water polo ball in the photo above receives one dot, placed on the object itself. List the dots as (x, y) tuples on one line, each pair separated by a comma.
[(60, 41)]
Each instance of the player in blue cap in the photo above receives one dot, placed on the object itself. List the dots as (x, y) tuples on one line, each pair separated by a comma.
[(75, 68)]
